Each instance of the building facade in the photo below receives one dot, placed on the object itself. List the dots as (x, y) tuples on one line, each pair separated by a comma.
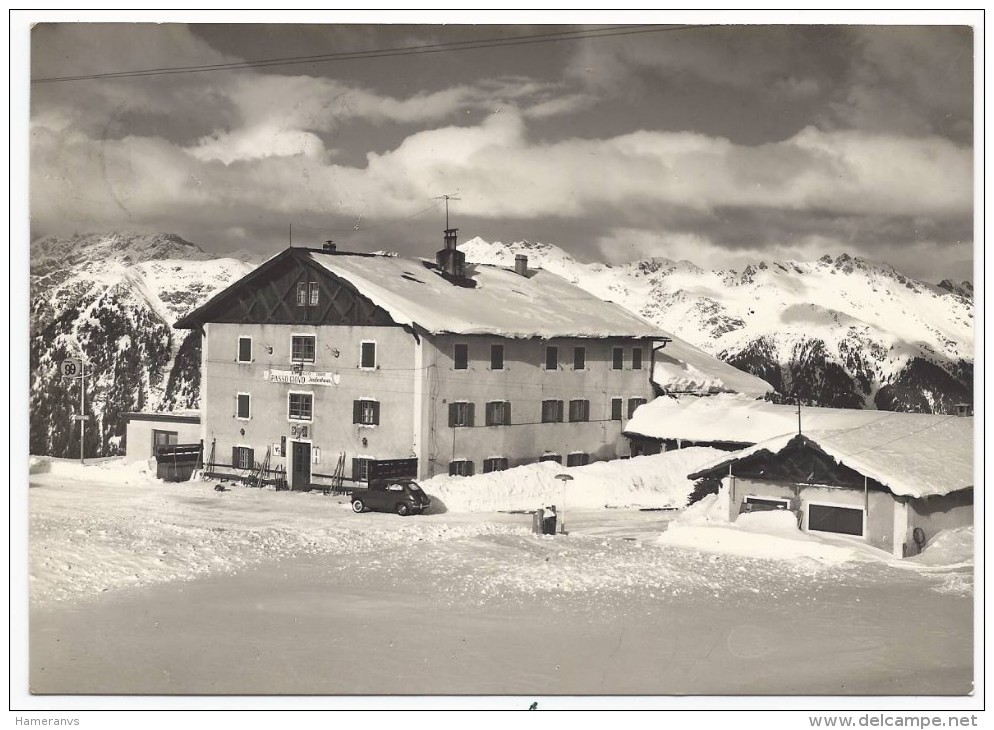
[(323, 358)]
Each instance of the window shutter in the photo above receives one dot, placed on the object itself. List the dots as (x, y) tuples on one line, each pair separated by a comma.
[(234, 456), (489, 414), (469, 468), (507, 413), (355, 470), (470, 414), (357, 411), (251, 458), (452, 415), (559, 411), (376, 412), (452, 468)]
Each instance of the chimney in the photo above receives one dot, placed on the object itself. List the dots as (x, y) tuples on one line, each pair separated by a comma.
[(521, 264), (330, 246), (450, 259)]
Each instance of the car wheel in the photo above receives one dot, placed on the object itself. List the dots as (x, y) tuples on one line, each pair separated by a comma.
[(357, 506), (403, 510)]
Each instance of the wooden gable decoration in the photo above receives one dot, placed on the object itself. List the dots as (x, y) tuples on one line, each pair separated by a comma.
[(289, 289)]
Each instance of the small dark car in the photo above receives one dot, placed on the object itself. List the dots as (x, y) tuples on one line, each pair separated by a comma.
[(404, 497)]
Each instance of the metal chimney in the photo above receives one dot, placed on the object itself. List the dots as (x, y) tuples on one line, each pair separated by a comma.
[(330, 246), (521, 264)]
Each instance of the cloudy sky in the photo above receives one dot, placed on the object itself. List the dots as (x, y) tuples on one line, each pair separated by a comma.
[(717, 144)]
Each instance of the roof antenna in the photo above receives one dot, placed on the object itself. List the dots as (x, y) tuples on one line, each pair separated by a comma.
[(447, 198)]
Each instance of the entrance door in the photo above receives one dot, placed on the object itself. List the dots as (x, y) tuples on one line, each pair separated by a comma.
[(300, 466)]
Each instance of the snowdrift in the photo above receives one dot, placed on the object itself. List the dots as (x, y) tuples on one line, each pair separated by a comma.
[(772, 535), (112, 470), (643, 481)]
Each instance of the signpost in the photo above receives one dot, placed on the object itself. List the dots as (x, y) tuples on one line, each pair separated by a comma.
[(72, 369), (562, 520)]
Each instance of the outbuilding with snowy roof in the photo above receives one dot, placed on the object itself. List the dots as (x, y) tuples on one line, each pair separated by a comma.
[(894, 482)]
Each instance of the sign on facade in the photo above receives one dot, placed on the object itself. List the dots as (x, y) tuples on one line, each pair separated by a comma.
[(303, 378)]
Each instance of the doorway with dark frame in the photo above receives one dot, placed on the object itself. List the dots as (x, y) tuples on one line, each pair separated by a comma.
[(300, 465)]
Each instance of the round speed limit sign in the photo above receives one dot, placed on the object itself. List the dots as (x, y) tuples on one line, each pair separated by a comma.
[(71, 368)]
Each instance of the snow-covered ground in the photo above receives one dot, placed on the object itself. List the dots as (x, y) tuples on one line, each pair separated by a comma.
[(143, 586)]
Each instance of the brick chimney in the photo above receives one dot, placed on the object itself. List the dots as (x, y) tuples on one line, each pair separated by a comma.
[(521, 264)]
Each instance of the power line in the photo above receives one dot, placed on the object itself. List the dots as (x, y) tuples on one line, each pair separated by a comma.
[(606, 32)]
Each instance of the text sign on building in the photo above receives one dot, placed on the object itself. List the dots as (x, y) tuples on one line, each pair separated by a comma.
[(304, 378)]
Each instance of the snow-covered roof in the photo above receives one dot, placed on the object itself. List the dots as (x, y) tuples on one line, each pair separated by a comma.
[(740, 419), (502, 302), (911, 457), (682, 368)]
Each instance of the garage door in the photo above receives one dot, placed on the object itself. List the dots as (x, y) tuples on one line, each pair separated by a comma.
[(844, 520)]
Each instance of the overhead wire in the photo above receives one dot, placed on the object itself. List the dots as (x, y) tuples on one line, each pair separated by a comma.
[(423, 49)]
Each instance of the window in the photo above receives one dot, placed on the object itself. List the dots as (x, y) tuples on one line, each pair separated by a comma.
[(244, 349), (460, 468), (302, 294), (494, 463), (552, 411), (360, 469), (367, 355), (302, 348), (163, 438), (244, 406), (366, 412), (617, 408), (579, 410), (636, 358), (496, 357), (634, 403), (498, 413), (766, 503), (242, 457), (618, 358), (832, 518), (460, 414), (551, 457), (460, 357), (301, 406), (551, 358), (577, 459), (579, 358), (312, 294)]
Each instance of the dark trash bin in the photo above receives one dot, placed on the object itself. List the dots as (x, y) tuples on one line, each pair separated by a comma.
[(549, 522)]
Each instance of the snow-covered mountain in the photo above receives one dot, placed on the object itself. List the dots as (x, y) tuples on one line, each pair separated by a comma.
[(840, 332), (116, 296)]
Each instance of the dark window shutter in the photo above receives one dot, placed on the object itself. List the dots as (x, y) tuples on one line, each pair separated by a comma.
[(469, 468), (488, 414), (251, 457), (559, 411), (234, 456), (507, 413), (355, 470), (376, 412), (357, 411), (470, 414), (452, 468), (452, 415)]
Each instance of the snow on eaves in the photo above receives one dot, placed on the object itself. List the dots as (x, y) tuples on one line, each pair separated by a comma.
[(682, 368), (912, 459), (502, 303)]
